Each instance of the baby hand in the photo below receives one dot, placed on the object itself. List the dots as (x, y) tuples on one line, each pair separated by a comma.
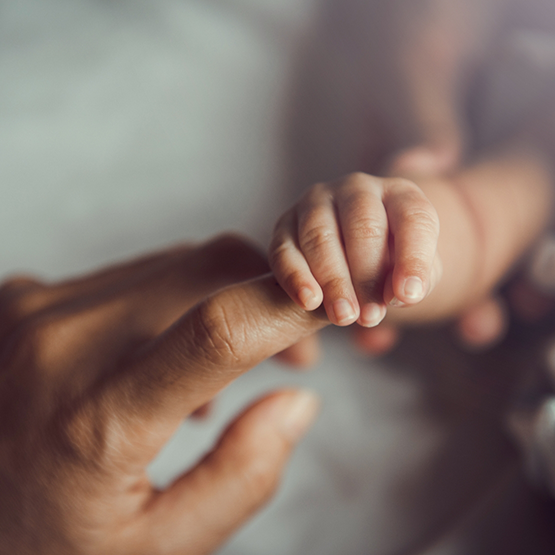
[(359, 244)]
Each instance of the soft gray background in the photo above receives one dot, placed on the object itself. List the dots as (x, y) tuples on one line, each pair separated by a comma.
[(127, 125)]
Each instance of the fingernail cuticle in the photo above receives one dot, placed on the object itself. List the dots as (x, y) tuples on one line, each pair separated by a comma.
[(308, 299), (343, 311), (372, 314), (396, 303), (414, 289)]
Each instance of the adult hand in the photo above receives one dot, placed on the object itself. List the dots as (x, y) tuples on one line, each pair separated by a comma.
[(421, 58), (98, 373)]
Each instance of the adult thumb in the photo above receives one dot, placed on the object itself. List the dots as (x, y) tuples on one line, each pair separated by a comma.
[(207, 504)]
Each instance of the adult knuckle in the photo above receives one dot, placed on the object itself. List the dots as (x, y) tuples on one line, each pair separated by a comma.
[(90, 434), (80, 434), (218, 334), (50, 339), (39, 338), (19, 297)]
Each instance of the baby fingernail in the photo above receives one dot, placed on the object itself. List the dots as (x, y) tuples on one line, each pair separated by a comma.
[(396, 303), (344, 312), (309, 300), (372, 314), (414, 289)]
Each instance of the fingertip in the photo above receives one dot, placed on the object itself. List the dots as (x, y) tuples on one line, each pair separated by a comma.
[(308, 299), (409, 291), (412, 290), (343, 312), (371, 314), (239, 475), (294, 414)]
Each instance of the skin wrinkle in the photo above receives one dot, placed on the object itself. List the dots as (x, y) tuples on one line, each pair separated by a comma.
[(224, 337)]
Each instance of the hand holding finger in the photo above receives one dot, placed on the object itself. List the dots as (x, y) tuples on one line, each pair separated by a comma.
[(88, 398), (308, 258), (365, 232), (219, 339), (290, 266)]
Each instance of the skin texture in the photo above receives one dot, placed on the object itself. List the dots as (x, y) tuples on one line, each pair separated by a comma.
[(364, 242), (98, 373), (336, 245), (435, 49)]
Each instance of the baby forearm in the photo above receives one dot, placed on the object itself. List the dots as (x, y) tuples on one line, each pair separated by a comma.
[(489, 214)]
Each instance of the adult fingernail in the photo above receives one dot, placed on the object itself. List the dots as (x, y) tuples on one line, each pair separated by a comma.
[(396, 303), (372, 314), (414, 289), (298, 414), (308, 299), (344, 312)]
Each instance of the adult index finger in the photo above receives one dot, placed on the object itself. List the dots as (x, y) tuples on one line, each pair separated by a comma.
[(216, 341)]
